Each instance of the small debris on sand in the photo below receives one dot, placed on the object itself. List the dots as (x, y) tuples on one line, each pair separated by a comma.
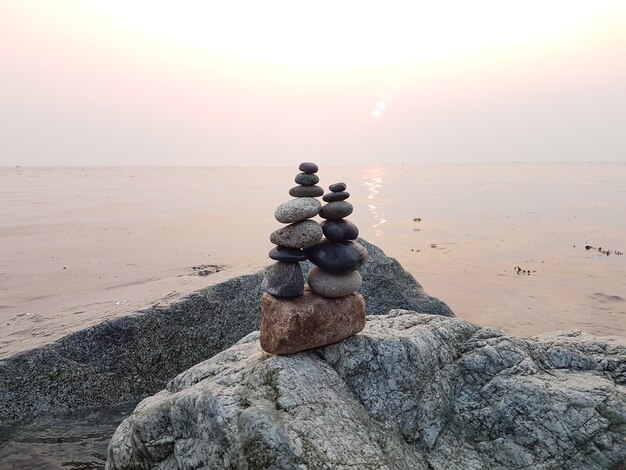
[(207, 269), (417, 219), (604, 251), (521, 271)]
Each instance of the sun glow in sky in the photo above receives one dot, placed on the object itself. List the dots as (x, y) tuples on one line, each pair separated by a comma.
[(347, 33), (199, 82)]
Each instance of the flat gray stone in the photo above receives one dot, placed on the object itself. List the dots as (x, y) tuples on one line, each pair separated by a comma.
[(296, 210), (338, 196), (337, 187), (283, 280), (333, 285), (306, 191), (306, 179), (303, 235), (290, 255)]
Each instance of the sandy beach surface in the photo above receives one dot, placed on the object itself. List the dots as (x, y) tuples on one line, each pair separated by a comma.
[(503, 245)]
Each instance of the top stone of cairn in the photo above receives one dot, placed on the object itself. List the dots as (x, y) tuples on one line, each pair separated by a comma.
[(308, 167), (337, 187)]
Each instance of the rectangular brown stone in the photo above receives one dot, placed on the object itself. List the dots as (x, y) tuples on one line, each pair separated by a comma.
[(309, 321)]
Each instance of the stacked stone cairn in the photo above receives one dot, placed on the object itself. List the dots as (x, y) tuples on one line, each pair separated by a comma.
[(295, 317), (338, 257), (284, 279)]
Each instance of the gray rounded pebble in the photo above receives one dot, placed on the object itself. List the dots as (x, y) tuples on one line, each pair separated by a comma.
[(337, 187), (296, 210), (308, 167), (336, 210), (303, 235), (339, 230), (306, 179), (306, 191), (340, 196), (284, 280), (333, 285)]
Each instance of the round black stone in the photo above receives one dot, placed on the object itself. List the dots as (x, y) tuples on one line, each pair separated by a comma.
[(337, 187), (289, 255), (308, 167), (339, 230), (330, 197), (337, 257), (336, 210), (306, 179), (306, 191)]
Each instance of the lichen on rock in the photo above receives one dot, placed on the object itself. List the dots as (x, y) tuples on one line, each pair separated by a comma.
[(412, 391)]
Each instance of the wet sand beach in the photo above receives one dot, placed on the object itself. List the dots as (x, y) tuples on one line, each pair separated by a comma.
[(503, 245)]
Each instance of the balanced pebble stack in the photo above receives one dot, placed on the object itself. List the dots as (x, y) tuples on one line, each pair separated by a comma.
[(284, 279), (337, 258), (295, 317)]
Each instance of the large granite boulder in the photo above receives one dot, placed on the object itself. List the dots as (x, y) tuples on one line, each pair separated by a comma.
[(412, 391), (126, 359)]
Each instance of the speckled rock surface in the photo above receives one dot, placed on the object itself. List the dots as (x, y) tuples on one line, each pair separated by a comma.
[(411, 391), (283, 280), (303, 234), (306, 179), (309, 321), (124, 360), (298, 209)]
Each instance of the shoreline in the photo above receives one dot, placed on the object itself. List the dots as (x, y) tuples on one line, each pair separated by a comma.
[(129, 237), (127, 358)]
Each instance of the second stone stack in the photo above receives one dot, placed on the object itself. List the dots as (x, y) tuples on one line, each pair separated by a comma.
[(337, 258), (284, 278)]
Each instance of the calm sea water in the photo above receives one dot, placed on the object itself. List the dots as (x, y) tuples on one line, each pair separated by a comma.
[(503, 245)]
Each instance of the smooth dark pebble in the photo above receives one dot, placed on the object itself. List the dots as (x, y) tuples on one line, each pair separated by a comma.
[(306, 191), (337, 257), (308, 167), (336, 210), (289, 255), (337, 187), (330, 197), (306, 179), (339, 230)]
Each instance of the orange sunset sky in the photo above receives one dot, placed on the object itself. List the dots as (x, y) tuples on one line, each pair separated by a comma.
[(123, 82)]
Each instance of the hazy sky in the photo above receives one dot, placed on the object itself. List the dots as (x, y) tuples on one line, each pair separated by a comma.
[(123, 82)]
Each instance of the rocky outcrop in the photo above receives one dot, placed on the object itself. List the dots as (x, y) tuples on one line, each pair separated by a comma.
[(129, 358), (412, 391)]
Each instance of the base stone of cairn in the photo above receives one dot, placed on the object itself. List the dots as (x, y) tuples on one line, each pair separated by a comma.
[(309, 321)]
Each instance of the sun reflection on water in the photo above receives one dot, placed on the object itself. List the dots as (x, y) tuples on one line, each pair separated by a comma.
[(373, 180)]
